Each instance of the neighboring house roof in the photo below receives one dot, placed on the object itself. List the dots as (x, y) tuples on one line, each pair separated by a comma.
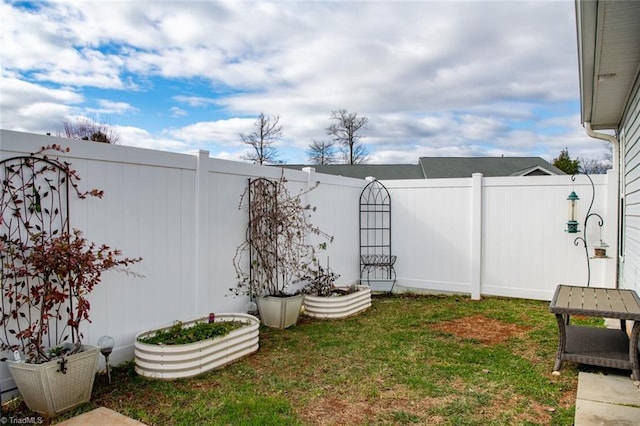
[(441, 167), (453, 167), (608, 57)]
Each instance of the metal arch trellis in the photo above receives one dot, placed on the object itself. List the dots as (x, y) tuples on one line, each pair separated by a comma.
[(376, 256), (34, 206)]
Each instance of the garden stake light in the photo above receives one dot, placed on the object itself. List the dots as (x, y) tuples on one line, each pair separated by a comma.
[(106, 344)]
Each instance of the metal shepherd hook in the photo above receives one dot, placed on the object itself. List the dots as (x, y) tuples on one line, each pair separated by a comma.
[(583, 238)]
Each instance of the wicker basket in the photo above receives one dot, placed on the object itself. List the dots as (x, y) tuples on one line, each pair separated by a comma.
[(48, 391)]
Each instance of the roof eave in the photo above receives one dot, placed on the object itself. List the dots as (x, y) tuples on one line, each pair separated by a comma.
[(586, 25)]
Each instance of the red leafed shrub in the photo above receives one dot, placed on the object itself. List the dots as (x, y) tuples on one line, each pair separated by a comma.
[(47, 270)]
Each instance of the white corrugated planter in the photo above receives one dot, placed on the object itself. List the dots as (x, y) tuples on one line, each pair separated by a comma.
[(279, 312), (338, 306), (46, 390), (187, 360)]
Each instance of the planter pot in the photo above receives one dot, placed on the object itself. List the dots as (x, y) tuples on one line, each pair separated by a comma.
[(280, 312), (338, 306), (46, 390), (191, 359)]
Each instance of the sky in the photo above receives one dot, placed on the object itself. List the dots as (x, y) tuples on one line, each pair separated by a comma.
[(433, 78)]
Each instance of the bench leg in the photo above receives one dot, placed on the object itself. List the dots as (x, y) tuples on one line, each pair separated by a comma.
[(562, 340), (633, 351)]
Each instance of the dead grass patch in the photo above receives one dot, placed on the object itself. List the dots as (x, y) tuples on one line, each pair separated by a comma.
[(534, 412), (330, 410), (485, 330)]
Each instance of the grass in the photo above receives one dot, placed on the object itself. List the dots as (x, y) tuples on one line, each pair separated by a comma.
[(407, 360)]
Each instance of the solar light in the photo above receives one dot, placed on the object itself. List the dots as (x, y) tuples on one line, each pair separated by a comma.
[(106, 344)]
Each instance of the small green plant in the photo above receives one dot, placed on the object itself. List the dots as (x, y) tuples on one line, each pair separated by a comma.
[(178, 334)]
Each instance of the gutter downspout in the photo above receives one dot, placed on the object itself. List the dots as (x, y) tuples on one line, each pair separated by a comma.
[(616, 166), (606, 137)]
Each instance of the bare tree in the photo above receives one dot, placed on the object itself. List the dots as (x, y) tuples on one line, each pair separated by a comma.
[(345, 132), (88, 130), (321, 152), (594, 166), (598, 166), (268, 131)]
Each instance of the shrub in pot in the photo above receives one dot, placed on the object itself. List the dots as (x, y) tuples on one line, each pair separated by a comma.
[(47, 273), (280, 245), (321, 282)]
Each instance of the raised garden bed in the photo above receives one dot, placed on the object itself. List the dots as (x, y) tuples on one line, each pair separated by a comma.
[(190, 359), (341, 306)]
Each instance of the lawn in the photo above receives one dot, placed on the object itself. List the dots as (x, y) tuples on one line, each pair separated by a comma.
[(407, 360)]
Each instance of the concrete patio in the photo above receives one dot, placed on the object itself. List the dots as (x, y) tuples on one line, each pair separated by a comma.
[(609, 399)]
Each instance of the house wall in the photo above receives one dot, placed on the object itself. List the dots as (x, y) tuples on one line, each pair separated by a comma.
[(629, 135), (478, 236)]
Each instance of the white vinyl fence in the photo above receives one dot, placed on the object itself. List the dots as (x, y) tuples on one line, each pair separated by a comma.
[(480, 236), (499, 236)]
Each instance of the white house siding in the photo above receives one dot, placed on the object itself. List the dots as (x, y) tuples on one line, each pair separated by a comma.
[(630, 140)]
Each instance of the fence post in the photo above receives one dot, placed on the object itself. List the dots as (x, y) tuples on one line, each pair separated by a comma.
[(201, 232), (311, 172), (476, 235), (311, 175)]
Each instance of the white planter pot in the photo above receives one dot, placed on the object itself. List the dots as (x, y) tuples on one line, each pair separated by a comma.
[(46, 390), (279, 312), (338, 306), (176, 361)]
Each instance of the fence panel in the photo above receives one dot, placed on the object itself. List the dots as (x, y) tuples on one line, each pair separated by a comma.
[(431, 233), (524, 248)]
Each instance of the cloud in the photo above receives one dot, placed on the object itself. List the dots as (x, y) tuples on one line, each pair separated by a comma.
[(34, 108), (178, 112), (142, 139), (112, 107), (221, 132), (195, 101), (433, 77)]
